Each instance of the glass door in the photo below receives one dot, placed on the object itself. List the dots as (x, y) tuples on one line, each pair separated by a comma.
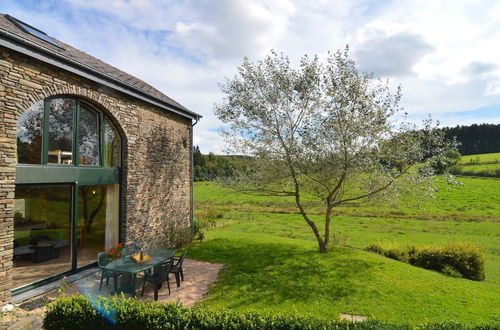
[(42, 232), (97, 221)]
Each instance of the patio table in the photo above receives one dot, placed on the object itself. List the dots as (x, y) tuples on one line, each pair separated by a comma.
[(130, 268)]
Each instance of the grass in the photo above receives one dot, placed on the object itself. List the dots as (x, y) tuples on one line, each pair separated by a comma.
[(272, 263), (475, 199), (481, 158), (479, 165)]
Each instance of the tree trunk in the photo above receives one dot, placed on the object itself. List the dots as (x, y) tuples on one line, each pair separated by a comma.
[(323, 246), (328, 219)]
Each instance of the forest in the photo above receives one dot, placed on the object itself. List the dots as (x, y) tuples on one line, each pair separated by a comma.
[(476, 138)]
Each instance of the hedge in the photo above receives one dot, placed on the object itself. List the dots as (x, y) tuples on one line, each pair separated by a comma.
[(77, 312), (466, 259), (487, 173)]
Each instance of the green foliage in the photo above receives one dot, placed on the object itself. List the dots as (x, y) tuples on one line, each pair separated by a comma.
[(73, 313), (178, 237), (466, 259), (119, 313), (205, 221), (391, 250), (213, 167), (77, 312), (476, 139), (487, 171), (449, 159), (324, 130)]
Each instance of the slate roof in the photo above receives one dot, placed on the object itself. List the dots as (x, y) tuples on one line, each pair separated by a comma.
[(73, 56)]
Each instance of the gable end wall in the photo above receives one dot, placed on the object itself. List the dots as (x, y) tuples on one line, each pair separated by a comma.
[(156, 186)]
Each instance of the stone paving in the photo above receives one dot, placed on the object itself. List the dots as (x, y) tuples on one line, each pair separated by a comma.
[(198, 277)]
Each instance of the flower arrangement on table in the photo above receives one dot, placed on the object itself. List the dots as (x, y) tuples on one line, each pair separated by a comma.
[(115, 252)]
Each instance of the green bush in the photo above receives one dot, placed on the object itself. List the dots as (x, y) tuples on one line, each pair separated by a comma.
[(119, 313), (77, 312), (466, 259), (389, 250), (205, 220)]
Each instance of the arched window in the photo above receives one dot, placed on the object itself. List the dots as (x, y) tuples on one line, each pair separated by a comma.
[(67, 201), (67, 131)]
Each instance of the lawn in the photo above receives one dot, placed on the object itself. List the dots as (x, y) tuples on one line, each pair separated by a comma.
[(273, 264)]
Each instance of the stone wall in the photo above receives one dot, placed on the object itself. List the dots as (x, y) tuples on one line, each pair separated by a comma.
[(156, 186)]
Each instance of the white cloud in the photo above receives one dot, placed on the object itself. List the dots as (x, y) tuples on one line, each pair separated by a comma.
[(444, 54), (493, 88), (390, 54)]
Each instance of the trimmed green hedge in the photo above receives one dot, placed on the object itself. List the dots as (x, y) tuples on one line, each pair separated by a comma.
[(465, 259), (78, 312), (463, 170)]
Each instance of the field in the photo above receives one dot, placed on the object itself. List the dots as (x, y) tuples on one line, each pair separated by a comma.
[(486, 165), (272, 263), (481, 158)]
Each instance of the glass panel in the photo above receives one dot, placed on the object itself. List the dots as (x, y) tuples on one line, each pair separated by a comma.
[(42, 231), (29, 135), (112, 145), (97, 221), (37, 33), (89, 137), (61, 131)]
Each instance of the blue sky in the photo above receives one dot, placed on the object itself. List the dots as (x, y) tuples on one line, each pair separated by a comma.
[(444, 54)]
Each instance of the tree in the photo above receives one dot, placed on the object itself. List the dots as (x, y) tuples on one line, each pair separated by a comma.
[(325, 131), (87, 195)]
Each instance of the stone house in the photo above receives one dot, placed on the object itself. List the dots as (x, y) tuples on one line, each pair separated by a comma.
[(89, 156)]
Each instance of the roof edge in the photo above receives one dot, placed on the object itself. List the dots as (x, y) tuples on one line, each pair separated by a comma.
[(22, 45)]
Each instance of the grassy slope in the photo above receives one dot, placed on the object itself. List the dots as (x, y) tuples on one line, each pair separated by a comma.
[(481, 158), (273, 264), (474, 199), (484, 163)]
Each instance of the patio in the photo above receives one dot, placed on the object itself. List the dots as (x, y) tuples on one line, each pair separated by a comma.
[(198, 277)]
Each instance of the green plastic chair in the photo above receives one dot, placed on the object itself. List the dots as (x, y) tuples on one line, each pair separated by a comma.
[(103, 260), (159, 275), (177, 268)]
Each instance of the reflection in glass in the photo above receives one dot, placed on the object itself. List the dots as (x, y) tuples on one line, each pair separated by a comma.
[(61, 131), (42, 231), (89, 136), (29, 135), (112, 145), (97, 221)]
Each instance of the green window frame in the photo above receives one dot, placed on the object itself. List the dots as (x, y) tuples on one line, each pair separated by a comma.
[(75, 172)]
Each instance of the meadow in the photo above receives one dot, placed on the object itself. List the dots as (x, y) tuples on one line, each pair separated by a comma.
[(272, 263), (479, 165), (480, 158)]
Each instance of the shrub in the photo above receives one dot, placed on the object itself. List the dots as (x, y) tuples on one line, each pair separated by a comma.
[(178, 237), (466, 259), (200, 228), (206, 220), (389, 250), (119, 313)]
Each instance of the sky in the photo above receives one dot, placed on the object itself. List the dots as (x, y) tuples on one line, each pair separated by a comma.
[(444, 54)]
